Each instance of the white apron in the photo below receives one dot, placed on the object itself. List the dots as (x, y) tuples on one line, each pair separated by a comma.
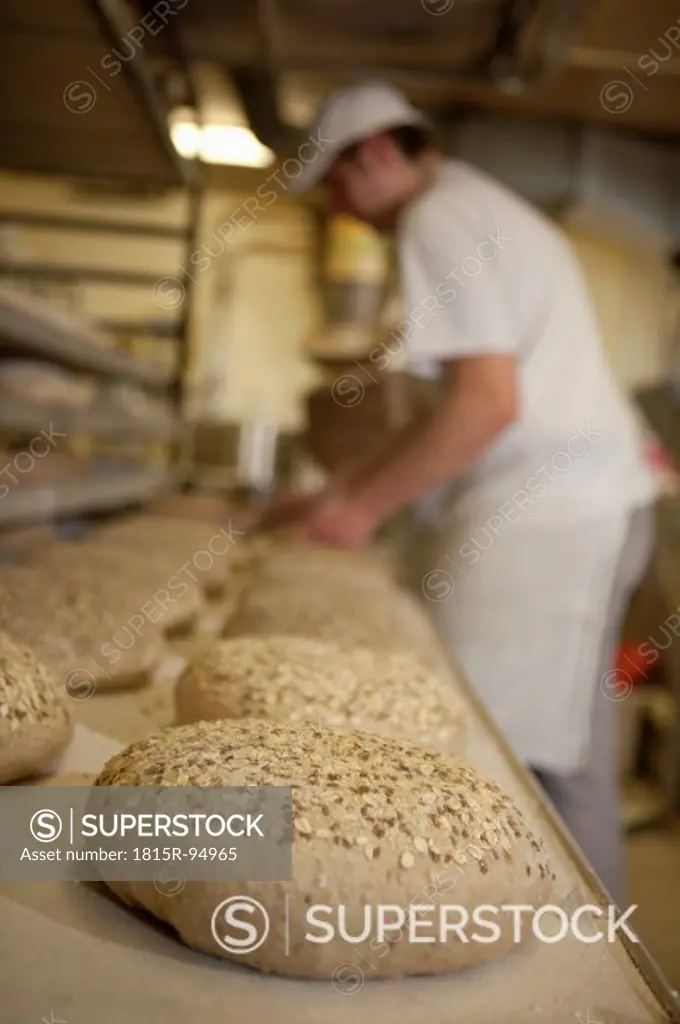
[(525, 613)]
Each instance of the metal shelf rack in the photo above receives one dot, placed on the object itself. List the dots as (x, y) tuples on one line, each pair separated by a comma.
[(118, 143), (27, 327), (99, 492), (16, 415)]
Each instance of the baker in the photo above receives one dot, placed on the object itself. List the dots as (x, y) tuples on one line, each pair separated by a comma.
[(527, 473)]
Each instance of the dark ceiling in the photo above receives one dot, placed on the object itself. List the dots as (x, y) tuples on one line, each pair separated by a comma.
[(448, 53), (63, 109), (71, 106)]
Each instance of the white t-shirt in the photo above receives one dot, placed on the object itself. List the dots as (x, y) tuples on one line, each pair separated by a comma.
[(484, 272)]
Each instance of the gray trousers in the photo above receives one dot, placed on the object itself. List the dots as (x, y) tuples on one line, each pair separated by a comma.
[(589, 801)]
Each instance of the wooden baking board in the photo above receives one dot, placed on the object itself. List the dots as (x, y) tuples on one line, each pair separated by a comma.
[(71, 953)]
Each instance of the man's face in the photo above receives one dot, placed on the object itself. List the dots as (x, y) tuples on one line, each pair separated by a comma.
[(373, 184)]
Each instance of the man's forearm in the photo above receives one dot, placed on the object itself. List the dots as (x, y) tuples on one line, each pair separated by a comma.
[(364, 467), (428, 453)]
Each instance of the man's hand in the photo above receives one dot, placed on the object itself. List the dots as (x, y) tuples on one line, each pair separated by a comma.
[(336, 519), (330, 516)]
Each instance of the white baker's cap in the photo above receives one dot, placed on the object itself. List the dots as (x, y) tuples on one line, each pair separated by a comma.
[(349, 115)]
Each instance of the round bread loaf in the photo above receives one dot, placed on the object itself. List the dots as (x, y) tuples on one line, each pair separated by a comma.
[(412, 620), (252, 553), (159, 578), (82, 629), (197, 550), (257, 547), (320, 576), (376, 823), (279, 552), (294, 679), (341, 611), (171, 602), (35, 724), (206, 508), (291, 560), (153, 581)]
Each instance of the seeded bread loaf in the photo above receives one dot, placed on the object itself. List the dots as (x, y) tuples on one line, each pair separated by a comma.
[(342, 611), (204, 550), (294, 561), (35, 724), (297, 679), (82, 630), (412, 620), (259, 550), (207, 508), (375, 823), (171, 599), (274, 607), (319, 576)]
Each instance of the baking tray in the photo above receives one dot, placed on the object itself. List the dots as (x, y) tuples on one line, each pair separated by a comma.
[(101, 963)]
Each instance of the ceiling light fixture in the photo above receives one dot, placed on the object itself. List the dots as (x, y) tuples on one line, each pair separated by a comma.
[(229, 144)]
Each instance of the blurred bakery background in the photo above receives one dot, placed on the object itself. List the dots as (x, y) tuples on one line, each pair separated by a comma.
[(178, 332)]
